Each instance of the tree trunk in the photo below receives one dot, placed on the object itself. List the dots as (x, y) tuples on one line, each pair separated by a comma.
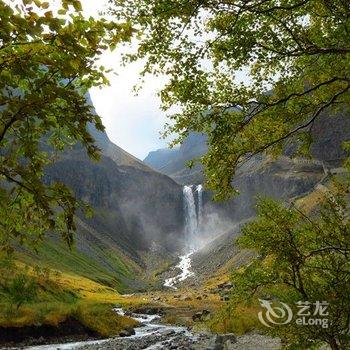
[(333, 344)]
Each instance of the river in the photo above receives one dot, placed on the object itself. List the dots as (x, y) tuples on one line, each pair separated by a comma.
[(150, 335)]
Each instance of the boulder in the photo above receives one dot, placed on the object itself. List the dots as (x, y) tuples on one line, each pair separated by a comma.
[(222, 341), (197, 316), (228, 337), (201, 315), (127, 332), (225, 285)]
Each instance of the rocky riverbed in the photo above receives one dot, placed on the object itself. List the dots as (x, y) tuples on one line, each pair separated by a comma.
[(152, 336)]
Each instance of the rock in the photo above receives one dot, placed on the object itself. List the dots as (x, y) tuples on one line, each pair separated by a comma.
[(168, 333), (206, 316), (228, 337), (184, 298), (201, 315), (222, 341), (127, 332), (157, 298), (41, 340), (197, 316), (225, 285), (149, 310), (215, 343)]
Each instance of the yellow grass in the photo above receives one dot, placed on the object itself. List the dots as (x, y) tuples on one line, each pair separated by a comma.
[(242, 320), (66, 295)]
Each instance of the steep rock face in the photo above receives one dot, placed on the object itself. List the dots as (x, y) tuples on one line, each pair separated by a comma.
[(329, 135), (133, 204), (285, 179), (282, 179)]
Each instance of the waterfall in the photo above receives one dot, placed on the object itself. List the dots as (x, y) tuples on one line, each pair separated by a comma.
[(199, 190), (193, 221), (193, 214), (190, 216)]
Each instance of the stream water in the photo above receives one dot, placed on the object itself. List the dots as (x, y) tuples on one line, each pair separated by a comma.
[(185, 266), (150, 335)]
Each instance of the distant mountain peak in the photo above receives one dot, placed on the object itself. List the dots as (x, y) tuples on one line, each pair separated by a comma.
[(172, 162)]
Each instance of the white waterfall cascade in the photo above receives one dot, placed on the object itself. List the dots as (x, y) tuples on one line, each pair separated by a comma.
[(193, 222), (199, 190)]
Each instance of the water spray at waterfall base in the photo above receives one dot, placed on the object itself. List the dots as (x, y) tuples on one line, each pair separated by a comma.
[(193, 222)]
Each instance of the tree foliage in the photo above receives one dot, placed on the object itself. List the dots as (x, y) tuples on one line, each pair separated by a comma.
[(21, 289), (298, 49), (300, 258), (48, 61)]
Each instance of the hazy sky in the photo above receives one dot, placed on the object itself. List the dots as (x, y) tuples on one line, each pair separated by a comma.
[(132, 122)]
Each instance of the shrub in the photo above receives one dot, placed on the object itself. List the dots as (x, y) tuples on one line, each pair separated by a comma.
[(21, 289)]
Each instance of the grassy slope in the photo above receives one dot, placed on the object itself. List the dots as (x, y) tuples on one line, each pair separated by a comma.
[(115, 272), (63, 295), (83, 283)]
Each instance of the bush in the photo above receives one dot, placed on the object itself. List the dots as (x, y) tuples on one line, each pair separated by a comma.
[(300, 259), (21, 289), (102, 319)]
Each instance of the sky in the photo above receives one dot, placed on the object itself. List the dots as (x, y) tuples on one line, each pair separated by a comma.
[(132, 122)]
